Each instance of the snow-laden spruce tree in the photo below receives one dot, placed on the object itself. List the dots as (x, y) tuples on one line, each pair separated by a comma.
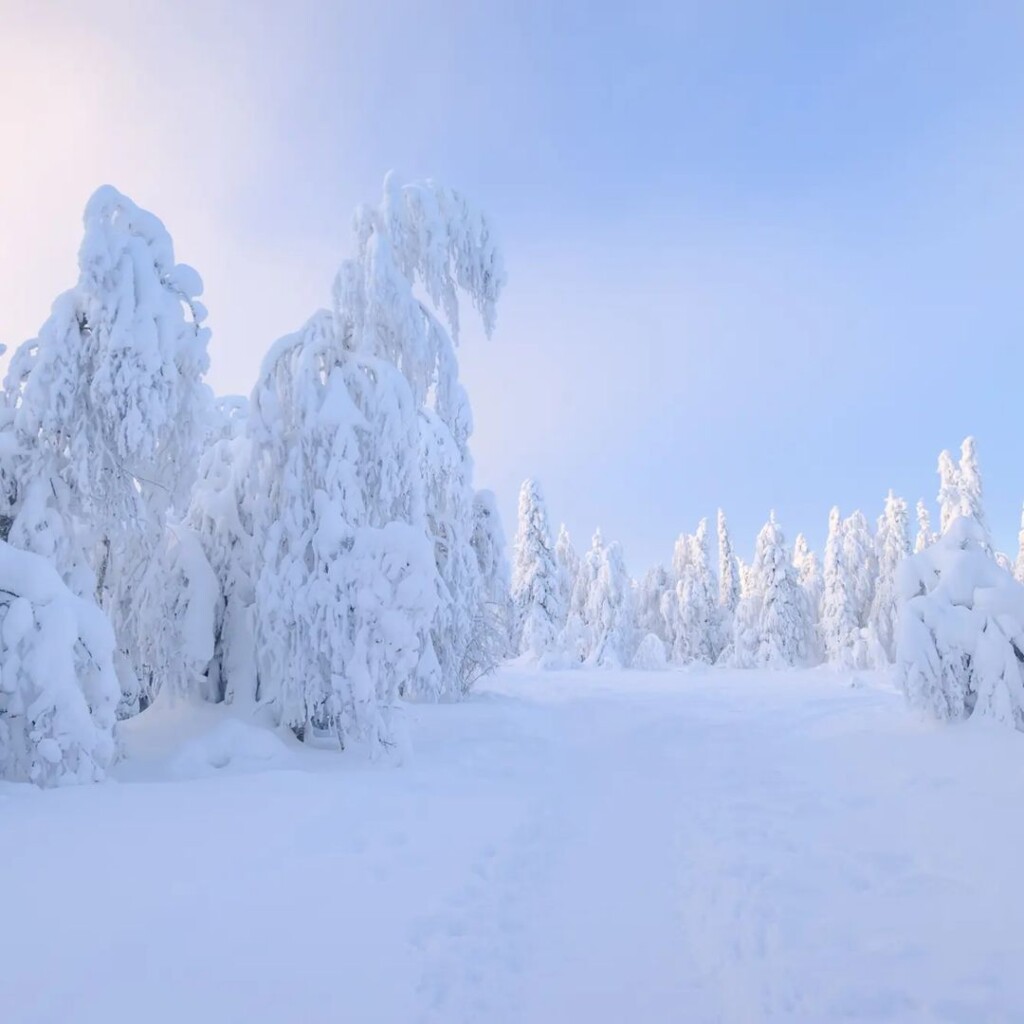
[(568, 561), (785, 629), (950, 504), (1018, 567), (960, 642), (535, 585), (861, 560), (924, 537), (578, 636), (840, 628), (610, 611), (111, 409), (681, 552), (808, 573), (970, 488), (699, 629), (746, 620), (58, 688), (893, 545), (728, 570), (489, 544)]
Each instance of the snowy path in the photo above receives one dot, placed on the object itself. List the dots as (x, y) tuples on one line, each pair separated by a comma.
[(565, 847)]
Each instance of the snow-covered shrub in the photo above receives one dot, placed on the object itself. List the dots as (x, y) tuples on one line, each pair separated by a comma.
[(58, 689), (960, 636)]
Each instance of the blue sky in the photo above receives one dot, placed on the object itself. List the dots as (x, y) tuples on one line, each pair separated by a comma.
[(761, 255)]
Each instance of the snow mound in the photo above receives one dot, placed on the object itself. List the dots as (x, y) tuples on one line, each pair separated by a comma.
[(185, 740), (650, 655)]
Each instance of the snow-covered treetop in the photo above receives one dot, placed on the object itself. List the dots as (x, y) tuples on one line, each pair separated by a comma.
[(418, 235), (113, 383)]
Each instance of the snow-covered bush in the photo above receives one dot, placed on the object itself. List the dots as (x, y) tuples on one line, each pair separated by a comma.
[(58, 689), (960, 639)]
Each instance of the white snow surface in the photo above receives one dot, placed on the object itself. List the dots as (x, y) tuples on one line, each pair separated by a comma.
[(600, 846)]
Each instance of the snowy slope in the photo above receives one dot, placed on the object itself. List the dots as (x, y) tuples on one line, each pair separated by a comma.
[(660, 847)]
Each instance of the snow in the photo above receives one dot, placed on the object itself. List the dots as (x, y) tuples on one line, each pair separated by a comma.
[(699, 846)]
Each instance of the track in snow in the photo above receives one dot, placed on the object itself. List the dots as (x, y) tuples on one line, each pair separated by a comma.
[(674, 847)]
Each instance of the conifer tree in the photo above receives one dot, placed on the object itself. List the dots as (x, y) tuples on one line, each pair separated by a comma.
[(785, 630), (568, 569), (535, 587), (728, 570), (840, 630), (861, 562), (950, 504), (925, 537), (893, 547), (610, 611), (971, 491)]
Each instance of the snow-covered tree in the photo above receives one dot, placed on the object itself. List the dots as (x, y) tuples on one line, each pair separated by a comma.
[(893, 546), (728, 570), (610, 611), (1018, 568), (925, 537), (220, 514), (650, 592), (535, 586), (346, 585), (58, 689), (785, 628), (861, 561), (578, 636), (840, 629), (568, 569), (808, 573), (960, 643), (970, 488), (698, 635), (489, 544), (746, 620), (367, 585), (111, 408), (950, 504), (681, 556)]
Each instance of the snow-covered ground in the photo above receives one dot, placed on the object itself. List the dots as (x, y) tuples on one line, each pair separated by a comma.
[(574, 846)]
